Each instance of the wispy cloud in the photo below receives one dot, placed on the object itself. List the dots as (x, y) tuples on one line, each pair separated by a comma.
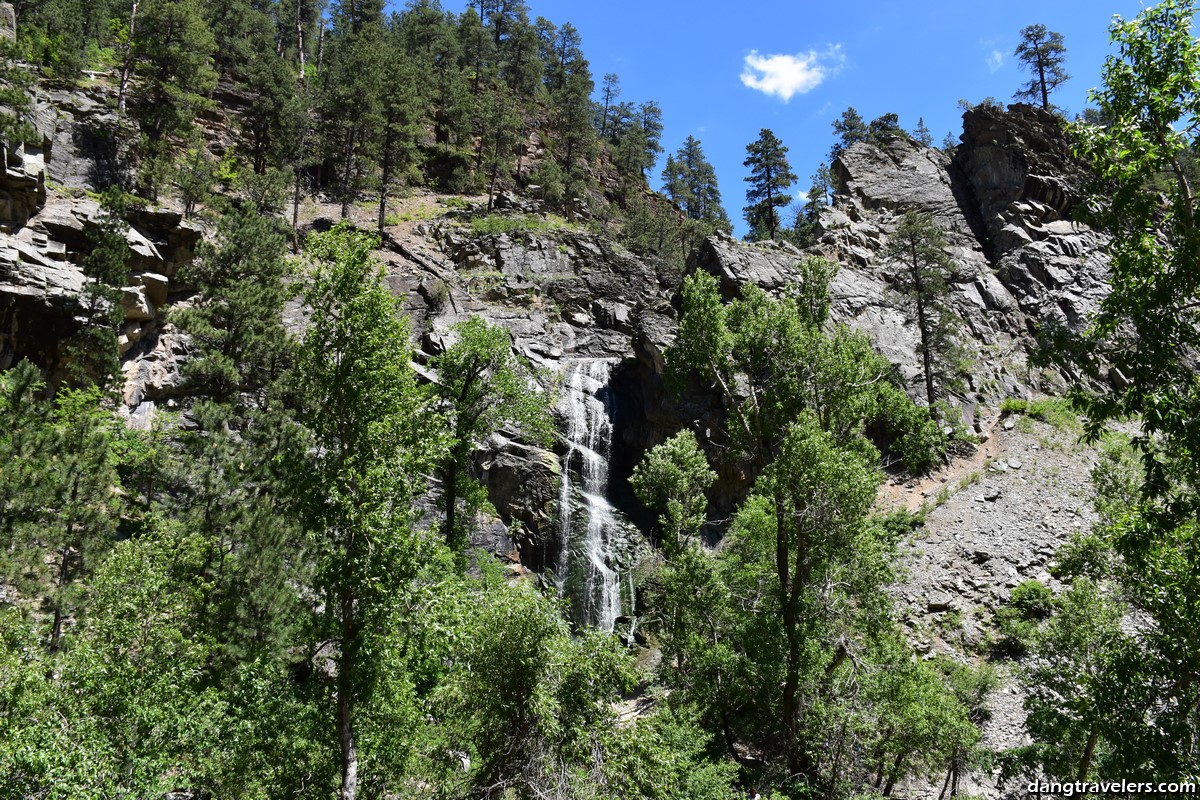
[(995, 61), (781, 75)]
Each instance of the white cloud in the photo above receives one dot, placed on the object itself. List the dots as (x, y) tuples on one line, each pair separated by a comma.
[(783, 75), (995, 61)]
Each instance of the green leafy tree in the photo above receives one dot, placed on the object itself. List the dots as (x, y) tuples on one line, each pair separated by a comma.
[(374, 435), (918, 247), (1042, 52), (1144, 199), (672, 479), (769, 179), (485, 387)]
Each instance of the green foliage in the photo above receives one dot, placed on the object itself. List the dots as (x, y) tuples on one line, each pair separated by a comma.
[(849, 128), (494, 224), (1056, 411), (236, 323), (690, 182), (790, 365), (374, 435), (1018, 620), (672, 479), (484, 386), (1065, 679), (16, 85), (1143, 198), (171, 54)]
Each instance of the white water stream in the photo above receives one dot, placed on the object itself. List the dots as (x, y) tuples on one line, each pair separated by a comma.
[(587, 569)]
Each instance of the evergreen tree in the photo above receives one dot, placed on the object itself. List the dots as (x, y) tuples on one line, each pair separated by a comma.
[(172, 50), (918, 247), (92, 351), (273, 120), (16, 84), (502, 125), (1041, 52), (921, 134), (235, 324), (401, 119), (351, 95), (883, 128), (849, 128), (611, 91), (769, 179)]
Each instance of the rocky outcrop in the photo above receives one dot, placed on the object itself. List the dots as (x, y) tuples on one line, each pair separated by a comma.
[(44, 241), (8, 22), (1003, 203)]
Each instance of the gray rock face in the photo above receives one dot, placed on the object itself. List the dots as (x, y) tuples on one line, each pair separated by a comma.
[(8, 22), (22, 185), (563, 294)]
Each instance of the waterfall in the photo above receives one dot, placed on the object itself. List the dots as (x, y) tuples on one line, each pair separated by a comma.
[(588, 525)]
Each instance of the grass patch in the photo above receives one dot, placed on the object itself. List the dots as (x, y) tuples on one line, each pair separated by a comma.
[(524, 223), (1054, 411)]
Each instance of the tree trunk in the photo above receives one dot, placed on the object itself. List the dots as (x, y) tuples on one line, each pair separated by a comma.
[(347, 170), (1042, 82), (923, 326), (345, 700), (127, 62), (385, 176), (1085, 763), (56, 631), (450, 496)]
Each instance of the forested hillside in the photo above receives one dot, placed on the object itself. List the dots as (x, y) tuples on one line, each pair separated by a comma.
[(370, 425)]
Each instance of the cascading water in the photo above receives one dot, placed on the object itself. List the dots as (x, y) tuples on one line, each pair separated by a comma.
[(588, 525)]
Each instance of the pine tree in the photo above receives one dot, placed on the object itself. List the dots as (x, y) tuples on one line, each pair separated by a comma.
[(1041, 52), (921, 134), (769, 179), (849, 128), (172, 50), (351, 95), (235, 324), (611, 91), (691, 183), (502, 125), (16, 84), (400, 118), (918, 247)]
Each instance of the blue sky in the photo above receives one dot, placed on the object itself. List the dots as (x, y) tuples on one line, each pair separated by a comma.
[(914, 59)]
